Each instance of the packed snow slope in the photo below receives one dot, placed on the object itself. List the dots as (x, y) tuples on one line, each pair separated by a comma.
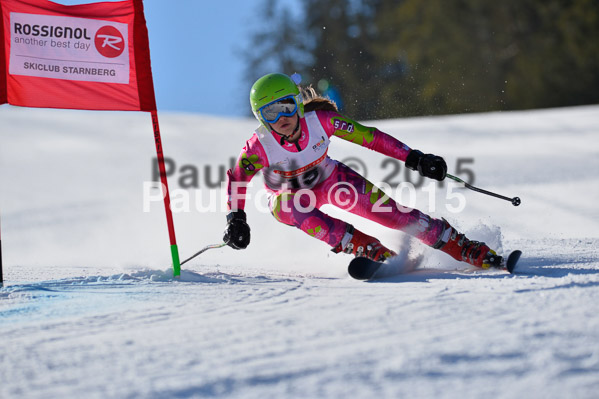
[(89, 307)]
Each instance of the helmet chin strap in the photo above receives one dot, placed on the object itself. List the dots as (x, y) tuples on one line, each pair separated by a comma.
[(285, 137)]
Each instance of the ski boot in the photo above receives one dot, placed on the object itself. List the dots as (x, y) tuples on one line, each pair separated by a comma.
[(461, 248), (362, 245)]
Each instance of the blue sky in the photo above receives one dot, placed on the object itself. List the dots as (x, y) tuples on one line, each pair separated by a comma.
[(195, 48)]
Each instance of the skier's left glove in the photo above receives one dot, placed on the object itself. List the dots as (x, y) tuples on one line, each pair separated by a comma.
[(428, 165), (237, 234)]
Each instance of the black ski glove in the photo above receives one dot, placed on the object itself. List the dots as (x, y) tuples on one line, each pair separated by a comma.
[(237, 234), (428, 165)]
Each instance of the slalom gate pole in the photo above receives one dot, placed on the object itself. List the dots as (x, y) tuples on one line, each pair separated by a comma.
[(515, 201), (1, 275), (167, 198)]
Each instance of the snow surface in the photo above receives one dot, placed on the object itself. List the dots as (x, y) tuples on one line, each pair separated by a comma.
[(90, 309)]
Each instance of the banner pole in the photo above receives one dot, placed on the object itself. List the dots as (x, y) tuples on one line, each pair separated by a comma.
[(1, 275), (167, 199)]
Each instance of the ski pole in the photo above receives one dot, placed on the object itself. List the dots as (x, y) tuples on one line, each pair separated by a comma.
[(201, 251), (515, 201)]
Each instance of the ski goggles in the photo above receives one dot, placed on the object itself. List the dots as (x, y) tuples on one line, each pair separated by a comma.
[(286, 106)]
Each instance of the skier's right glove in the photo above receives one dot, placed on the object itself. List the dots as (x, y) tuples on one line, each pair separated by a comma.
[(237, 234), (428, 165)]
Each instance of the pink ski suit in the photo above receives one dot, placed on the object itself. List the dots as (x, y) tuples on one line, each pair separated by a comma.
[(300, 178)]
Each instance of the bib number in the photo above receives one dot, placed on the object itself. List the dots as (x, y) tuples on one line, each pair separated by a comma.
[(305, 180)]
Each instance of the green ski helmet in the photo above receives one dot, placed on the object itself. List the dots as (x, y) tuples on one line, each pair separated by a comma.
[(272, 87)]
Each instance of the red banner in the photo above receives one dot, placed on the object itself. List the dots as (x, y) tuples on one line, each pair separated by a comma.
[(91, 56)]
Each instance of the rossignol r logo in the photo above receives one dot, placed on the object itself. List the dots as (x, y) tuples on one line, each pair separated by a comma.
[(109, 41)]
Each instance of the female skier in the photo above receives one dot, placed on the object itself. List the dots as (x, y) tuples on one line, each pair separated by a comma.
[(290, 148)]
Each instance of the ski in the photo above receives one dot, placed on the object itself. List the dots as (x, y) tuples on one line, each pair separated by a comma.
[(512, 260), (362, 268), (504, 263)]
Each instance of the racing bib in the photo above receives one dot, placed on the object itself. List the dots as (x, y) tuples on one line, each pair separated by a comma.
[(302, 169)]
